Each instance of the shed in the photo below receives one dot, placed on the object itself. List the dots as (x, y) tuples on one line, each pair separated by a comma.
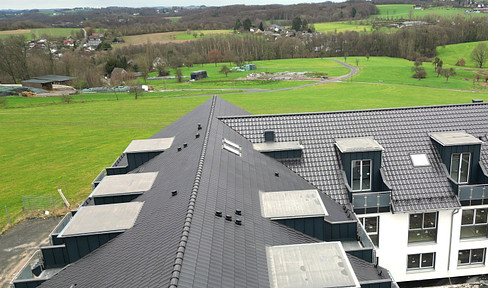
[(38, 83), (197, 75)]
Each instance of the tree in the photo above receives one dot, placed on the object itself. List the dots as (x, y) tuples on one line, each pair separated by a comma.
[(296, 24), (435, 62), (480, 54), (179, 75), (420, 72), (225, 70), (461, 62), (214, 56), (238, 25), (448, 73), (261, 27), (246, 25)]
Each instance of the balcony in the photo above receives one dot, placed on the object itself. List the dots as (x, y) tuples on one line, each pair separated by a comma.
[(362, 247), (33, 273), (472, 194), (370, 202)]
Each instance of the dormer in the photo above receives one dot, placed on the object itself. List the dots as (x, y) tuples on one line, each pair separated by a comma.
[(283, 150), (137, 153), (361, 161), (460, 153), (361, 164)]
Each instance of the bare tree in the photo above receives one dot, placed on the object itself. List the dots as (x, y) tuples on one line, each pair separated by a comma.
[(480, 54)]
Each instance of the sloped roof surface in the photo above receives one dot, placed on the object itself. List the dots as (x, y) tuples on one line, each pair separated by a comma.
[(400, 131), (178, 240)]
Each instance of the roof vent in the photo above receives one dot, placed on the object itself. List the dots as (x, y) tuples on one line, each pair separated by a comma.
[(174, 192), (238, 212), (179, 149), (199, 126), (228, 217), (269, 136), (218, 213), (197, 135), (277, 174), (238, 221), (185, 145), (477, 101)]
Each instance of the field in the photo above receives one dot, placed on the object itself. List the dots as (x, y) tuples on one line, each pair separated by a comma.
[(336, 27), (47, 145), (33, 34), (452, 53), (406, 11), (167, 37)]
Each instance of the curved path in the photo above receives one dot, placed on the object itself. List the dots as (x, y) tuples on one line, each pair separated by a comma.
[(354, 71)]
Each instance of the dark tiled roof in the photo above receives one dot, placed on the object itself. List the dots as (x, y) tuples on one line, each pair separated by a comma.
[(368, 272), (179, 239), (401, 132)]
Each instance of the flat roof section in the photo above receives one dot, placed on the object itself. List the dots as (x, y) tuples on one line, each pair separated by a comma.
[(315, 265), (277, 146), (455, 138), (358, 144), (149, 145), (55, 78), (102, 219), (291, 204), (125, 184)]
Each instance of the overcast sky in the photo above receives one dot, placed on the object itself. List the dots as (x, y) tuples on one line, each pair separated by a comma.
[(48, 4)]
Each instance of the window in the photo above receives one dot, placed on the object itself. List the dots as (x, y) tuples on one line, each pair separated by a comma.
[(460, 167), (420, 160), (422, 227), (361, 175), (471, 256), (231, 147), (371, 225), (473, 223), (421, 261)]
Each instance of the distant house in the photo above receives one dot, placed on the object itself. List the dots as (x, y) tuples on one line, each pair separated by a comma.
[(197, 75)]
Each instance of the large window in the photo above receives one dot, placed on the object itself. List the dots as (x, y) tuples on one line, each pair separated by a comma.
[(473, 223), (371, 225), (421, 261), (422, 227), (460, 167), (361, 175), (471, 256)]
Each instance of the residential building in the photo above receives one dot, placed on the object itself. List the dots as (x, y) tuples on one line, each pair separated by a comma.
[(221, 198), (197, 205)]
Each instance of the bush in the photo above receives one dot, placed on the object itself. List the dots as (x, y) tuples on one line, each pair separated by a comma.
[(67, 98), (461, 62)]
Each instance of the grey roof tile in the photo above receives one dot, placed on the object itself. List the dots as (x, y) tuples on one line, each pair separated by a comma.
[(401, 131)]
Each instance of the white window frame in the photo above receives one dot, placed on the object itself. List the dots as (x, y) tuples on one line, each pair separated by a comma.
[(420, 261), (361, 174), (457, 180), (470, 255)]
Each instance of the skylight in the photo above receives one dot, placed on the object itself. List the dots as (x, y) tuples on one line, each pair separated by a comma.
[(420, 160), (231, 147)]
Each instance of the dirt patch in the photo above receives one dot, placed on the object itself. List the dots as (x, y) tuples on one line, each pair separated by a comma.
[(18, 243), (12, 32)]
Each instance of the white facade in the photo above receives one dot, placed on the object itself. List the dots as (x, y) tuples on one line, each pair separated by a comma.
[(394, 247)]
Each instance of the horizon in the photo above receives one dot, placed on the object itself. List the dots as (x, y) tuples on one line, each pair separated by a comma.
[(70, 4)]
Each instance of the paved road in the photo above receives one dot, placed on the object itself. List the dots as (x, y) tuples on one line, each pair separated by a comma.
[(18, 244)]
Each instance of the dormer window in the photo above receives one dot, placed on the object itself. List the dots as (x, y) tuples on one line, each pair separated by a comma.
[(460, 167), (361, 175)]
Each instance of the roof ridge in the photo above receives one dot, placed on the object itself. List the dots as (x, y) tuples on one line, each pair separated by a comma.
[(353, 111), (175, 275)]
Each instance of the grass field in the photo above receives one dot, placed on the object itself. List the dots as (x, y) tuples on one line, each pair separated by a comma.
[(452, 53), (64, 146), (398, 71), (406, 11), (167, 37), (33, 34), (336, 27)]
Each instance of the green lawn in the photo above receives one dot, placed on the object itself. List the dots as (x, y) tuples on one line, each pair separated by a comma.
[(406, 11), (21, 102), (33, 34), (336, 27), (169, 37), (398, 71), (394, 10), (450, 54)]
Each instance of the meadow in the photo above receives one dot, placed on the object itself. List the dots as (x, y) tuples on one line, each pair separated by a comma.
[(46, 146), (406, 11), (450, 54), (166, 37), (33, 34)]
